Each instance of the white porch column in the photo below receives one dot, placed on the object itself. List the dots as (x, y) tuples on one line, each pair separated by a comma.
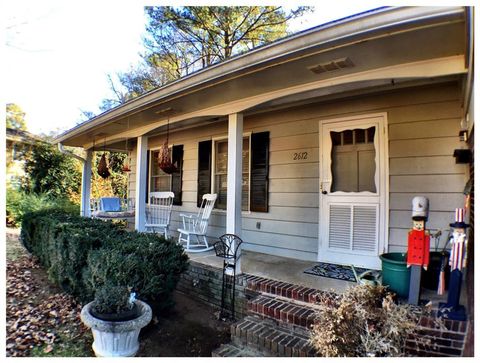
[(86, 185), (141, 183), (234, 176)]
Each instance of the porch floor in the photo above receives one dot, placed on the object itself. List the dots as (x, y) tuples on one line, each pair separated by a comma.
[(291, 270)]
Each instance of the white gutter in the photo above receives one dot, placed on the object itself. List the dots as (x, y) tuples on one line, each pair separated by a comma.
[(61, 148)]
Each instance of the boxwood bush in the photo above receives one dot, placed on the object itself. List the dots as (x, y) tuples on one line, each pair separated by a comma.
[(82, 254)]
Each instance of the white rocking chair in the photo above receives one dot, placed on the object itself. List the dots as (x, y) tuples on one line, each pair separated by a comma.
[(197, 226), (158, 212)]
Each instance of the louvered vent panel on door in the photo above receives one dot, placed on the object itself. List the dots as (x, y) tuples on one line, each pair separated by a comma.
[(340, 225), (364, 228)]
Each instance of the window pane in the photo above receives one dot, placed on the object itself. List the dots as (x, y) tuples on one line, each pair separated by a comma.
[(353, 165), (347, 137), (359, 136), (159, 181), (221, 169)]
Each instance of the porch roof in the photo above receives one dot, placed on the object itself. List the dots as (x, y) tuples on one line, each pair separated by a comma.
[(239, 84)]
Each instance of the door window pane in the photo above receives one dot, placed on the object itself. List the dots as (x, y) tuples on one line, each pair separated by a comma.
[(353, 161)]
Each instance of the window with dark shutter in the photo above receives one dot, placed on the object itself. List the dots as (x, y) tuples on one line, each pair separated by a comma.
[(177, 160), (204, 169), (259, 172)]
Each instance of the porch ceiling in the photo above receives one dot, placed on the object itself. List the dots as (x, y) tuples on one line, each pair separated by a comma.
[(382, 50)]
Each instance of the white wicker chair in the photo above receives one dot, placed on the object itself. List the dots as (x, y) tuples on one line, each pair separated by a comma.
[(197, 226), (158, 212)]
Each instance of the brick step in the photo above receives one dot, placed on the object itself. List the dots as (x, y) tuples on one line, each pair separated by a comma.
[(257, 284), (270, 339), (285, 312), (230, 350)]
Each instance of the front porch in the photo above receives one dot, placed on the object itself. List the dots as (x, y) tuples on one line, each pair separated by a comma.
[(291, 271), (275, 306)]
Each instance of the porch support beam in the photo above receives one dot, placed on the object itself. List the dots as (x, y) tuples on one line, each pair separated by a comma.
[(141, 183), (234, 176), (86, 185)]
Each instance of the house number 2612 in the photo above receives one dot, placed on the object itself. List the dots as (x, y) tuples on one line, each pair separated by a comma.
[(300, 156)]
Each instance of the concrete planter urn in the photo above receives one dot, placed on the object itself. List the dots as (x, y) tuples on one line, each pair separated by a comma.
[(116, 338)]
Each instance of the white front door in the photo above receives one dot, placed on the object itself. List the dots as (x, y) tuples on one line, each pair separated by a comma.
[(353, 190)]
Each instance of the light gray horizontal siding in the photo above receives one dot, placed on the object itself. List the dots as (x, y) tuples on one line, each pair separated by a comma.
[(423, 126)]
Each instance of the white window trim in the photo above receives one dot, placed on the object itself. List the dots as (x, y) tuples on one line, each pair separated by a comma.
[(212, 176), (170, 146)]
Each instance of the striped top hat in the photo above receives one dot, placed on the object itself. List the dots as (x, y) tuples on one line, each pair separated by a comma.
[(459, 219)]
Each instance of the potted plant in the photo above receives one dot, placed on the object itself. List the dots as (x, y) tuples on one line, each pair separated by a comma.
[(116, 318)]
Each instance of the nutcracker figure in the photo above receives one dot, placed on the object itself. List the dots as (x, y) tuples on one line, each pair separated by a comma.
[(418, 252), (458, 258)]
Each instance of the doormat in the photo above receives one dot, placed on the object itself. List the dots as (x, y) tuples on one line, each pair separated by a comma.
[(333, 271)]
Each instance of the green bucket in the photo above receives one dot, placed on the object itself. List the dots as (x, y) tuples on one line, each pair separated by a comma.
[(395, 273)]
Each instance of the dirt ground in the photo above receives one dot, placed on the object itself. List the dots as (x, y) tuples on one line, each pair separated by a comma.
[(189, 330)]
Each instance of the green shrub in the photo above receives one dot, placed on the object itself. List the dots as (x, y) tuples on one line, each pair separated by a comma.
[(147, 263), (50, 172), (19, 203), (62, 241), (82, 255)]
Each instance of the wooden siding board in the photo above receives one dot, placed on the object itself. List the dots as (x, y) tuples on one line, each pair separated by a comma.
[(428, 183), (436, 220), (439, 202), (299, 199), (307, 185), (305, 170), (423, 129), (439, 146), (425, 166)]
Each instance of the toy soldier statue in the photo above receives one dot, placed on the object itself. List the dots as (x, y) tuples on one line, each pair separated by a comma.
[(418, 253), (458, 258)]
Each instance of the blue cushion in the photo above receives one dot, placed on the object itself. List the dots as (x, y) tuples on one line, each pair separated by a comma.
[(110, 204)]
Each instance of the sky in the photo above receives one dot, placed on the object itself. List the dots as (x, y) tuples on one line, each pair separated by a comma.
[(58, 54)]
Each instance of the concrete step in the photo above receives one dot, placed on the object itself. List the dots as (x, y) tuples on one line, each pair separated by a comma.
[(258, 285), (284, 311), (270, 339), (230, 350)]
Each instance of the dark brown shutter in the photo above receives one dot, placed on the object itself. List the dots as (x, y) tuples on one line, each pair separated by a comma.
[(204, 183), (259, 172), (177, 159), (147, 189)]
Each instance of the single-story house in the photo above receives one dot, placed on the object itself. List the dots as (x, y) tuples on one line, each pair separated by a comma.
[(315, 144)]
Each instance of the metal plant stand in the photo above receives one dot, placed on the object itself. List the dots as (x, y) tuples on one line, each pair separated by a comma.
[(227, 248)]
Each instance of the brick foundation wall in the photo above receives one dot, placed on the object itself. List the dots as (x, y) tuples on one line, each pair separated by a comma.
[(204, 283)]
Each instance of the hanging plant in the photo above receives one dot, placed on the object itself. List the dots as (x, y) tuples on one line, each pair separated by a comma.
[(164, 160), (103, 167), (165, 157)]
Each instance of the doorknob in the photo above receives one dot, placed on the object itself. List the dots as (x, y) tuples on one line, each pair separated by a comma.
[(322, 188)]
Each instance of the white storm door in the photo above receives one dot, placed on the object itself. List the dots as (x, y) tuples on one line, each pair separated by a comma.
[(353, 190)]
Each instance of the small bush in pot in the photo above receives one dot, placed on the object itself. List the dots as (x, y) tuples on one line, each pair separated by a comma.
[(114, 303), (116, 318)]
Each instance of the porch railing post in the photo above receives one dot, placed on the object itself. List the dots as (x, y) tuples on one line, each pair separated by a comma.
[(234, 177), (86, 185), (141, 183)]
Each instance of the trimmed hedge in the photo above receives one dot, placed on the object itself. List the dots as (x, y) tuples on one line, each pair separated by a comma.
[(82, 254)]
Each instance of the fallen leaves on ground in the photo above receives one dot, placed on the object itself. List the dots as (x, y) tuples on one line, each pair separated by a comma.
[(36, 318)]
